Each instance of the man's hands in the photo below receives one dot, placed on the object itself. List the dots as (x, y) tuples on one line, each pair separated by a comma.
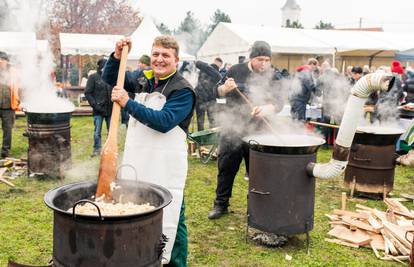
[(228, 86), (264, 110), (118, 46), (120, 96)]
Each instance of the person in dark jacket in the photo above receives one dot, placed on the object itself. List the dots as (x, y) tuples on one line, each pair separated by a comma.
[(98, 94), (408, 87), (256, 80), (207, 79), (300, 96), (156, 138)]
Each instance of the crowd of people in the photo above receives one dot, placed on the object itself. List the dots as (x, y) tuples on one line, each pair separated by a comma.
[(159, 103)]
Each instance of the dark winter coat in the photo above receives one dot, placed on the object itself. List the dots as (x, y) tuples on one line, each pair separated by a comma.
[(208, 78), (301, 96), (98, 94), (409, 89)]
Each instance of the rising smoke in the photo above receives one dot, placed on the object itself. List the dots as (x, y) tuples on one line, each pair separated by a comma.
[(34, 67)]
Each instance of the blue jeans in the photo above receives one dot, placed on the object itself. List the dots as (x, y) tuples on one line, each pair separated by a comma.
[(98, 121)]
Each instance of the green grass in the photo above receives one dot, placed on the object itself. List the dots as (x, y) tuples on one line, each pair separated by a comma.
[(26, 223)]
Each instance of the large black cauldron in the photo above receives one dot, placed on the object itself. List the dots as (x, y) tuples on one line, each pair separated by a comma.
[(130, 240), (281, 194), (371, 166)]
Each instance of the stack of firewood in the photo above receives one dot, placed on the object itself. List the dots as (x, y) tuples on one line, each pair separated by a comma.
[(389, 234), (11, 168)]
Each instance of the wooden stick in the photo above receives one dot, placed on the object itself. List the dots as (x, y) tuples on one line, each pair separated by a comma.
[(267, 123), (343, 201), (6, 182), (324, 124), (109, 156)]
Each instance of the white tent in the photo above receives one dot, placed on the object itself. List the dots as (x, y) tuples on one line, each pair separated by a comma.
[(15, 42), (232, 40), (143, 37), (87, 44)]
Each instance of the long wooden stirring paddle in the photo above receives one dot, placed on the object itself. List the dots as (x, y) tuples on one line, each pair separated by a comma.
[(109, 156), (266, 122)]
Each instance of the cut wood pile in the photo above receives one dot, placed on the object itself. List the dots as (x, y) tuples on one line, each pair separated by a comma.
[(388, 233), (10, 169)]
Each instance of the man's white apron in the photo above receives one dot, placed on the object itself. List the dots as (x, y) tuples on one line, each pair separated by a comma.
[(159, 158)]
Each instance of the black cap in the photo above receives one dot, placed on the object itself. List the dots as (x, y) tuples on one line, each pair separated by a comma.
[(357, 70), (260, 48), (4, 56)]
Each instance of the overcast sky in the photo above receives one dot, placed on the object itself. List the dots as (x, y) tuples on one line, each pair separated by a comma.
[(393, 15)]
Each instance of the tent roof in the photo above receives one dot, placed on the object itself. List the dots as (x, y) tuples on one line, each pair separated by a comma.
[(87, 44), (308, 41), (13, 42), (407, 55), (143, 37)]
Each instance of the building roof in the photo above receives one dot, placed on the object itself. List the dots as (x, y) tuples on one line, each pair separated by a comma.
[(291, 4)]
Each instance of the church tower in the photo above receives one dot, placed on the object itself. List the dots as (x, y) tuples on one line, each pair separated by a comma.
[(290, 12)]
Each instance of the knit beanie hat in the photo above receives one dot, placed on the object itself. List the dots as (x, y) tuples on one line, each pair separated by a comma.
[(260, 48), (4, 56), (396, 67), (144, 59)]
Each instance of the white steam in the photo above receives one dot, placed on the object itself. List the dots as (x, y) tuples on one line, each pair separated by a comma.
[(34, 69)]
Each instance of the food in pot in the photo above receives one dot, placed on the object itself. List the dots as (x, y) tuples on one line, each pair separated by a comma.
[(112, 209)]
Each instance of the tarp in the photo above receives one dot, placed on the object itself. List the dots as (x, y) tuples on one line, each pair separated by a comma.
[(87, 44)]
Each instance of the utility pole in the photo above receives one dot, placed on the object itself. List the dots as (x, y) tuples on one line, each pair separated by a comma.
[(360, 22)]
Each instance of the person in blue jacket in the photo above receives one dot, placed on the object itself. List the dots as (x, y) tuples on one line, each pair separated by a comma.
[(156, 138)]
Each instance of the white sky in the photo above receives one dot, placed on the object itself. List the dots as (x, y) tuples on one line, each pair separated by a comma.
[(393, 15)]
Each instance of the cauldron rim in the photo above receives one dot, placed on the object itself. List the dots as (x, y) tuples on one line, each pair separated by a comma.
[(295, 149), (55, 192)]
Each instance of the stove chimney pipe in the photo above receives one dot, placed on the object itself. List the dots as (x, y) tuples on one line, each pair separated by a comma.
[(353, 112)]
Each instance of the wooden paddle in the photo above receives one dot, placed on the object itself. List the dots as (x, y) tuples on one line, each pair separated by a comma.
[(266, 122), (109, 155)]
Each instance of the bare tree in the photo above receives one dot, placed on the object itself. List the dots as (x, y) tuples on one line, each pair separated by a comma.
[(96, 16)]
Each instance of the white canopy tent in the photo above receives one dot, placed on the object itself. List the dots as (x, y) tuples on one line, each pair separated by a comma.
[(15, 42), (87, 44), (142, 39), (232, 40)]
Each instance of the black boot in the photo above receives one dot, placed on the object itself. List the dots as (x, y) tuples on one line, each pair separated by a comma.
[(217, 212)]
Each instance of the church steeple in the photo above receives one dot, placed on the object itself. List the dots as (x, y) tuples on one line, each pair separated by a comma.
[(290, 12)]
